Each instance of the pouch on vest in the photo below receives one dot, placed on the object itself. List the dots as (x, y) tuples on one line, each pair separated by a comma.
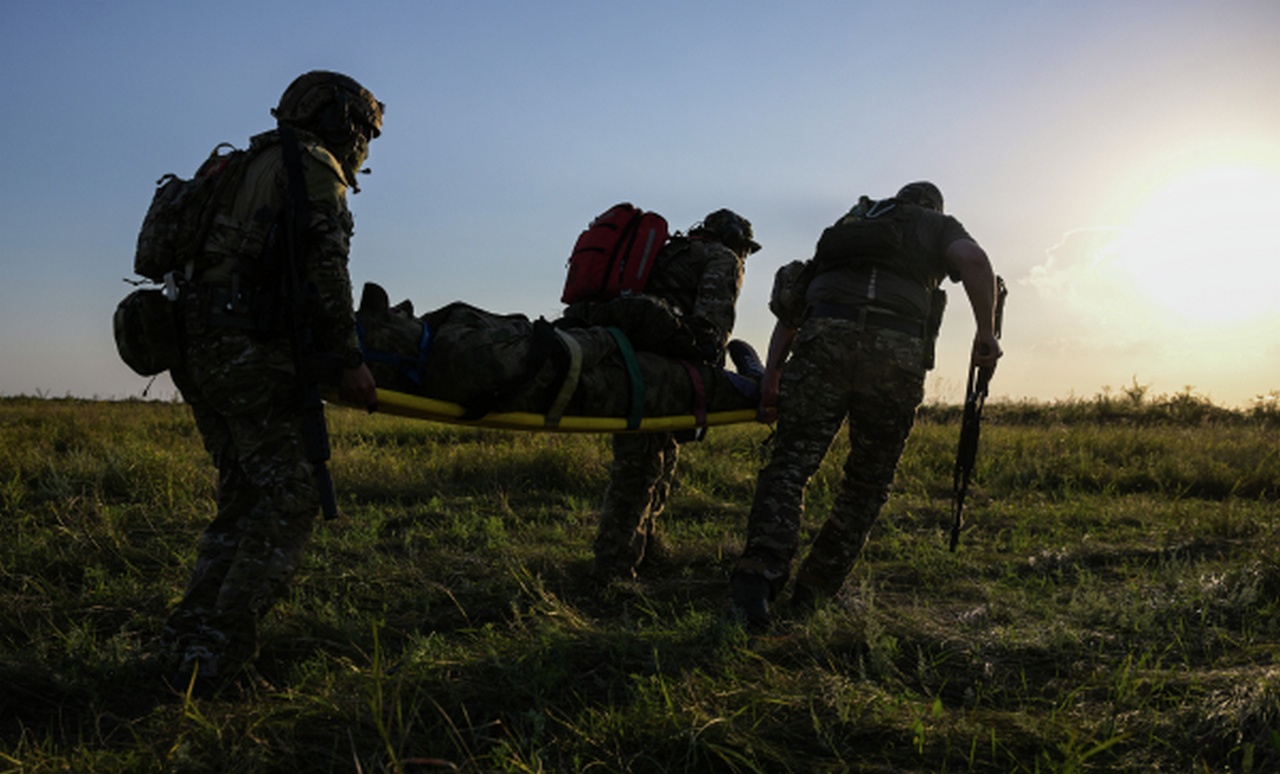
[(146, 331), (181, 212), (787, 299)]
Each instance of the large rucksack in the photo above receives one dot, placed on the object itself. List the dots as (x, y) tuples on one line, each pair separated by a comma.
[(870, 234), (181, 212), (614, 255)]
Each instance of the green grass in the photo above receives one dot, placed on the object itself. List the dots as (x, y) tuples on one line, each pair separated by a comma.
[(1112, 606)]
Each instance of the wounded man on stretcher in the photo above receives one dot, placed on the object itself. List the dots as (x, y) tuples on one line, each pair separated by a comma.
[(486, 362)]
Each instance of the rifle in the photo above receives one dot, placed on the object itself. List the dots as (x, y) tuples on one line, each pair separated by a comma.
[(307, 363), (975, 397)]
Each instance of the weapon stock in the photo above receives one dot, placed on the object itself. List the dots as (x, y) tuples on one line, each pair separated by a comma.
[(975, 397)]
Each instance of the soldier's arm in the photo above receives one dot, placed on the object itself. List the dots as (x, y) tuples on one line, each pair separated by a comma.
[(966, 259), (328, 247), (779, 347), (713, 314)]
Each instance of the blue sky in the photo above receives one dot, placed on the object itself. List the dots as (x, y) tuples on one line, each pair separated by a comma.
[(1087, 146)]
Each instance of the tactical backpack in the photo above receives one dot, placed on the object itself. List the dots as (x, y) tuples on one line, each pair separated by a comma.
[(181, 212), (614, 255), (787, 299), (871, 234), (145, 322)]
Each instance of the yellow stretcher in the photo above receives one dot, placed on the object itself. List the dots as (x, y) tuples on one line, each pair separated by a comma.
[(417, 407)]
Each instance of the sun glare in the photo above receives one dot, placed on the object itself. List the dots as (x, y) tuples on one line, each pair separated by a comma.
[(1205, 247)]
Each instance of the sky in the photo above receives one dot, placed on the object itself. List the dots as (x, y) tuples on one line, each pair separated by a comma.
[(1118, 160)]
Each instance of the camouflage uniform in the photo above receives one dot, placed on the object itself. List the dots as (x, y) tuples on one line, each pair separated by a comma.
[(875, 377), (493, 362), (238, 377), (700, 280), (859, 354)]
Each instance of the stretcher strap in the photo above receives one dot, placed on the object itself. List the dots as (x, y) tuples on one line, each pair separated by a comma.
[(633, 371), (413, 368), (569, 383), (699, 393)]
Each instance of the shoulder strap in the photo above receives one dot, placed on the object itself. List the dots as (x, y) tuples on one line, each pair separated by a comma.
[(299, 206), (297, 217)]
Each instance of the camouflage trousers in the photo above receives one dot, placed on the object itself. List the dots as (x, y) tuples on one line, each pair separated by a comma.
[(837, 370), (640, 480), (243, 396)]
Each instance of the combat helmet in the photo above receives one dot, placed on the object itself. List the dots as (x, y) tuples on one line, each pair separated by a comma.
[(921, 193), (730, 229), (338, 110)]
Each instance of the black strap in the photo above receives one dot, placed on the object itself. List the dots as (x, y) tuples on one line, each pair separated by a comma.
[(315, 434), (298, 201), (868, 318)]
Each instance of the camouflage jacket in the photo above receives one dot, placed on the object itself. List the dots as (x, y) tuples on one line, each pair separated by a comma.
[(239, 234), (700, 280)]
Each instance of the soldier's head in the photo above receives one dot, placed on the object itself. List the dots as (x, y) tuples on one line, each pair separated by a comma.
[(336, 109), (921, 193), (729, 229)]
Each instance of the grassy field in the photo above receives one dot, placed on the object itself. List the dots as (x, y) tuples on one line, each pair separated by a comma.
[(1113, 607)]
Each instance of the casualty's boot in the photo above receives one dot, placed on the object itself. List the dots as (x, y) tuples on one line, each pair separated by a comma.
[(745, 360)]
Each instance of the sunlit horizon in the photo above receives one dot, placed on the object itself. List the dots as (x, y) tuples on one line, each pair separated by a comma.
[(1119, 162)]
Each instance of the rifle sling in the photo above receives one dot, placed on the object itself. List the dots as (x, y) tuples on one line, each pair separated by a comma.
[(297, 218)]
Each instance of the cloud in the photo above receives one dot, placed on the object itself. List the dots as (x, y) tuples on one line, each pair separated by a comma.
[(1083, 301)]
